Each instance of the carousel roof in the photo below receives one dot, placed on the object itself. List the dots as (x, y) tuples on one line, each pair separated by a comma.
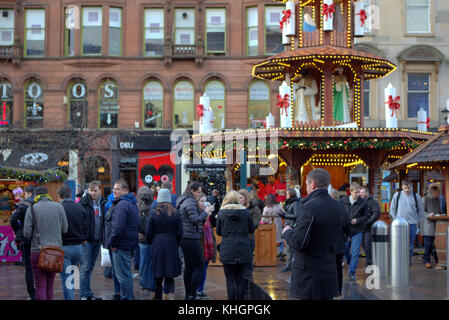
[(432, 153), (276, 67)]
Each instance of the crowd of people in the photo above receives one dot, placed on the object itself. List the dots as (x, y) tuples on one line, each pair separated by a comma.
[(166, 236)]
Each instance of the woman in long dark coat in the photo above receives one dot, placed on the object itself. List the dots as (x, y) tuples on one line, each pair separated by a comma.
[(164, 234)]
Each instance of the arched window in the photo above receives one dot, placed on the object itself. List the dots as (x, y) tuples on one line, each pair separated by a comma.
[(153, 105), (77, 104), (34, 105), (183, 107), (6, 102), (216, 92), (259, 103), (108, 104)]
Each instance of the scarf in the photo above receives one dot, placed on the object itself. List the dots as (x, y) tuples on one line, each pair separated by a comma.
[(208, 241), (39, 197)]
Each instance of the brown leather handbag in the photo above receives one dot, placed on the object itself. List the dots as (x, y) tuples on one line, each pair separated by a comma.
[(51, 258)]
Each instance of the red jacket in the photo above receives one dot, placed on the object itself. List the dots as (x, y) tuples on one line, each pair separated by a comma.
[(281, 191)]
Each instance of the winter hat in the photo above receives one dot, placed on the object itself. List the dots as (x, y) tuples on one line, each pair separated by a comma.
[(145, 193), (164, 196)]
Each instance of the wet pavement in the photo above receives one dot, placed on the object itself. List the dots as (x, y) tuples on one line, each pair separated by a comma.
[(424, 284)]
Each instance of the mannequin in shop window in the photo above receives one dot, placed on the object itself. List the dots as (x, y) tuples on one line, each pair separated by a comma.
[(306, 91), (341, 97)]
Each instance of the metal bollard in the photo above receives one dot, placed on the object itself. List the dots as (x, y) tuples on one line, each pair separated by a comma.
[(400, 253), (379, 245)]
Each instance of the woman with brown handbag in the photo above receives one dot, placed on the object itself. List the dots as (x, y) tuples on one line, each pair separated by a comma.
[(44, 227)]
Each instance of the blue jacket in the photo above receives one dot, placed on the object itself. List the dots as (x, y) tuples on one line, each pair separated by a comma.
[(109, 203), (122, 224)]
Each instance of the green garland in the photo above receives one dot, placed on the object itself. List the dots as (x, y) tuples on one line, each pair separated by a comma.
[(38, 178), (342, 144)]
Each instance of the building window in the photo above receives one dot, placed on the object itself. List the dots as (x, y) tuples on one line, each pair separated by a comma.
[(6, 101), (154, 32), (77, 104), (115, 31), (215, 30), (366, 97), (92, 31), (35, 32), (184, 26), (259, 103), (7, 27), (418, 16), (418, 93), (252, 31), (153, 105), (215, 90), (34, 105), (273, 34), (183, 107), (69, 35), (108, 104)]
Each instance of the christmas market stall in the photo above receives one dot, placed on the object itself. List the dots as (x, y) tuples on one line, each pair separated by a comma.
[(431, 156), (321, 76), (13, 182)]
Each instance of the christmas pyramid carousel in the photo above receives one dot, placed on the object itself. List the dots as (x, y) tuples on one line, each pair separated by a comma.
[(321, 106)]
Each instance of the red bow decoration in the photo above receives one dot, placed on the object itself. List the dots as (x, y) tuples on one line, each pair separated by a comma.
[(393, 104), (200, 111), (427, 122), (328, 10), (283, 102), (363, 16), (149, 113), (220, 107), (285, 18), (265, 124)]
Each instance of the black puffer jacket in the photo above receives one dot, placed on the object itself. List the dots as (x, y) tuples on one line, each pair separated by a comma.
[(192, 219), (235, 225), (86, 202), (291, 211), (18, 220), (358, 211), (373, 212)]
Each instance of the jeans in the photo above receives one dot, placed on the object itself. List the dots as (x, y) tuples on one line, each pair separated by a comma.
[(194, 264), (146, 267), (72, 256), (412, 230), (353, 258), (43, 280), (367, 247), (114, 278), (236, 283), (429, 248), (203, 280), (136, 259), (26, 252), (122, 269), (89, 254)]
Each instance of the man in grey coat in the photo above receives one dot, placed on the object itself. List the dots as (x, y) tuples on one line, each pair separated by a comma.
[(431, 205), (51, 222), (408, 205)]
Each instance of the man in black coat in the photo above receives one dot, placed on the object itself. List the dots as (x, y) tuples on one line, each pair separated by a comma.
[(94, 205), (76, 234), (374, 215), (358, 215), (17, 223), (314, 240)]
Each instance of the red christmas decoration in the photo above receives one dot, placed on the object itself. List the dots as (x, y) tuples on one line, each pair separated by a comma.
[(363, 16), (285, 18), (393, 104), (283, 102), (328, 10), (200, 111), (427, 122)]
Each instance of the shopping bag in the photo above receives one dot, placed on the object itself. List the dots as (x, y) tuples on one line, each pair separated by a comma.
[(105, 258)]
